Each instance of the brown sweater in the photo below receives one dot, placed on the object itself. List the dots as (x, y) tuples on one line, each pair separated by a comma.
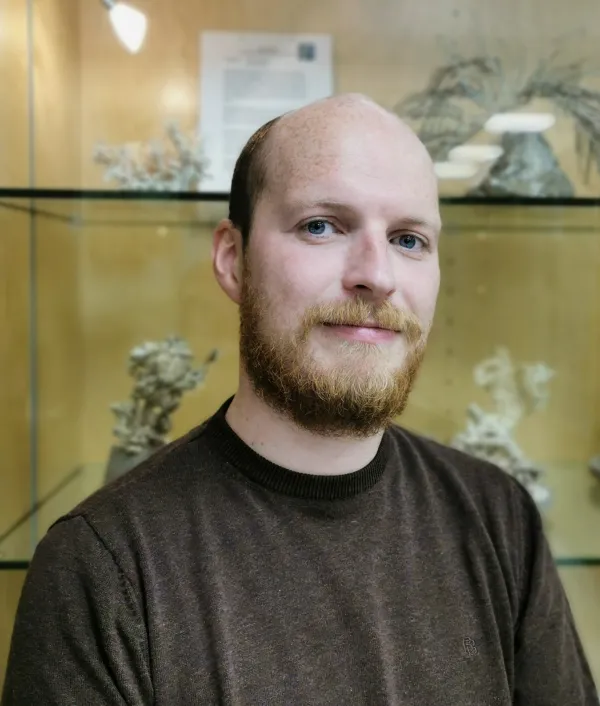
[(211, 576)]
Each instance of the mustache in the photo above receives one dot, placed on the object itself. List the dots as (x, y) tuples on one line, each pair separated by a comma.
[(357, 312)]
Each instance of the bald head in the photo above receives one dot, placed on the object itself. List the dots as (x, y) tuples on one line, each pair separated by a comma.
[(350, 112), (306, 143)]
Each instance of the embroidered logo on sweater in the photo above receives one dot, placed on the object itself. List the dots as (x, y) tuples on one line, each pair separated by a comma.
[(469, 647)]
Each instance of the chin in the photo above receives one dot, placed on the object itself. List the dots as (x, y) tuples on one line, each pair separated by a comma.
[(391, 355), (365, 361)]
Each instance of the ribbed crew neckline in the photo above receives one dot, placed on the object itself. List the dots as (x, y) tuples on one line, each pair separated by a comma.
[(287, 482)]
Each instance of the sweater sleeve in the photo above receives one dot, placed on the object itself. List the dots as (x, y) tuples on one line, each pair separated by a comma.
[(550, 665), (79, 637)]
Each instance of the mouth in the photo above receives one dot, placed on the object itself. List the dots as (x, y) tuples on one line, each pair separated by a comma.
[(363, 326), (366, 332)]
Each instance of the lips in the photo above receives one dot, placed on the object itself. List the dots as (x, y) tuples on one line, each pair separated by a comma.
[(364, 325), (368, 333)]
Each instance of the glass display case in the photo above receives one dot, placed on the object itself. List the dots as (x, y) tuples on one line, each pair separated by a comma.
[(514, 353)]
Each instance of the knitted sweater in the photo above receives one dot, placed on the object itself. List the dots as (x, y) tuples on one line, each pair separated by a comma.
[(211, 576)]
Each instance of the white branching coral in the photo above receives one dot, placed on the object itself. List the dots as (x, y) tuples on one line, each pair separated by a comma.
[(175, 165), (516, 391), (162, 372)]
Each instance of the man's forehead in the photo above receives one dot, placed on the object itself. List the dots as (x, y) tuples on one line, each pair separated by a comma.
[(340, 156), (349, 166)]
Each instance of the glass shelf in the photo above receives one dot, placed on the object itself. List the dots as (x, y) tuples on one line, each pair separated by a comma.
[(575, 493), (147, 195), (158, 208), (118, 208), (72, 488)]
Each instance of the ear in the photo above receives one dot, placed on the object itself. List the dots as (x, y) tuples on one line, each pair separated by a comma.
[(227, 259)]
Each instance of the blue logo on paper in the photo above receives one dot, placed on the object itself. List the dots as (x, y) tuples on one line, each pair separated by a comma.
[(307, 51)]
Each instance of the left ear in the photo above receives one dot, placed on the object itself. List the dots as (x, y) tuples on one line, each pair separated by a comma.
[(227, 259)]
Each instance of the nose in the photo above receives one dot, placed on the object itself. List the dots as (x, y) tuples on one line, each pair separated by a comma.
[(369, 271)]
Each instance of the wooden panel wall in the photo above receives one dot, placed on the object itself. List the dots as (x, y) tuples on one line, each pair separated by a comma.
[(50, 159), (14, 267), (14, 363), (11, 583), (14, 113)]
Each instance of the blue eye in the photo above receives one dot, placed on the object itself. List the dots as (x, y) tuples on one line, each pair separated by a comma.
[(317, 227), (410, 242)]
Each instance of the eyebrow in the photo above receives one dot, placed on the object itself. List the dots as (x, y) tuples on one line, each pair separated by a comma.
[(319, 203), (405, 221), (421, 223)]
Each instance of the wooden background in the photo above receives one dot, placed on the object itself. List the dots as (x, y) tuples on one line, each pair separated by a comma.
[(524, 279)]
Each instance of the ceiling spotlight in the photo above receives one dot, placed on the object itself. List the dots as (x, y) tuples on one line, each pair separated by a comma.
[(519, 122), (475, 153), (129, 24), (455, 170)]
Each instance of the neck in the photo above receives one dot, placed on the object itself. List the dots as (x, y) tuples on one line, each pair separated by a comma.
[(281, 441)]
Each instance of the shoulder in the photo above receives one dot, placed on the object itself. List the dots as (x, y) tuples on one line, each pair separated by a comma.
[(487, 508), (152, 481), (470, 484), (140, 508), (477, 474)]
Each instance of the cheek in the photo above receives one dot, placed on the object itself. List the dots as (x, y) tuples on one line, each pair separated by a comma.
[(295, 282), (285, 292), (420, 291)]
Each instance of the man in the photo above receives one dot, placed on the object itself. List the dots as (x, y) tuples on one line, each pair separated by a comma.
[(298, 549)]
